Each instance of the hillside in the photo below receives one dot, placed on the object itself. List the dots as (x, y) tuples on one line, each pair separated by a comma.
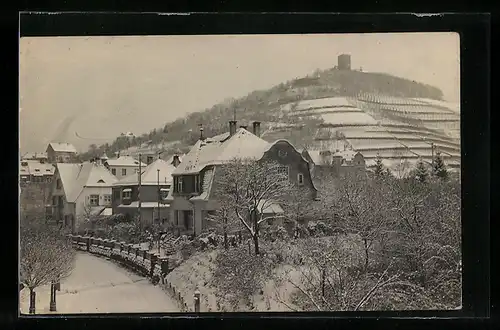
[(266, 106)]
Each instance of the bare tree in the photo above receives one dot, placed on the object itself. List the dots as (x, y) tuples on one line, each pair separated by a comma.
[(325, 280), (46, 255), (224, 220), (250, 187), (361, 204), (429, 236)]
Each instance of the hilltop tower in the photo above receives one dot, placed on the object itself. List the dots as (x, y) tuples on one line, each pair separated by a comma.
[(344, 62)]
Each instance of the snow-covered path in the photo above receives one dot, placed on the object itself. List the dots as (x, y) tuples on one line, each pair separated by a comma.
[(97, 285)]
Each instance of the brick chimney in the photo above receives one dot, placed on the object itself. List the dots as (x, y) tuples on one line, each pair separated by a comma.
[(232, 127), (256, 128)]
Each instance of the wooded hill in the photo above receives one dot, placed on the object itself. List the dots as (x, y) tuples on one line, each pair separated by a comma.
[(263, 105)]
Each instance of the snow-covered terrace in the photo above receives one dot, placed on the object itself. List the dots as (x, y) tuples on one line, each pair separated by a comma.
[(450, 105), (350, 118)]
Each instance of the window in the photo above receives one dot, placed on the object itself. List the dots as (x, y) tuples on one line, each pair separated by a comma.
[(127, 193), (94, 200), (107, 199), (124, 171), (197, 183), (113, 171), (58, 184), (163, 193), (149, 159), (180, 187), (300, 179), (283, 172), (54, 200)]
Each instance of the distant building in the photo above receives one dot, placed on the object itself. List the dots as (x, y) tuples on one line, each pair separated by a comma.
[(38, 156), (35, 172), (156, 182), (79, 190), (336, 162), (61, 153), (122, 166), (193, 195), (344, 62)]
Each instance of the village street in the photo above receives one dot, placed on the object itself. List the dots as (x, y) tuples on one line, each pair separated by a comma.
[(97, 285)]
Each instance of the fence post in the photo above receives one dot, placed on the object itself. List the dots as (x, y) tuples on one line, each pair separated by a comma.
[(88, 244), (197, 301)]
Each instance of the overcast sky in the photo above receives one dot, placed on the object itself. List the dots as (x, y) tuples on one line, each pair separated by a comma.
[(101, 86)]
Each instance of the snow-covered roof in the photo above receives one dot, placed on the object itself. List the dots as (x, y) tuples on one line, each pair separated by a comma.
[(222, 148), (34, 155), (34, 167), (124, 161), (268, 207), (144, 205), (62, 147), (75, 177), (150, 175)]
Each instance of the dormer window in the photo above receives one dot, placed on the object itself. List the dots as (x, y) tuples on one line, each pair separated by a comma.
[(127, 193), (101, 181), (163, 193), (37, 170)]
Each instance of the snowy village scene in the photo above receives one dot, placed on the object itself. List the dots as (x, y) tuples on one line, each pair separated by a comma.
[(239, 173)]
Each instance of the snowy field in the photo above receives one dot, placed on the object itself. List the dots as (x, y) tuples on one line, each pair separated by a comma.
[(97, 285)]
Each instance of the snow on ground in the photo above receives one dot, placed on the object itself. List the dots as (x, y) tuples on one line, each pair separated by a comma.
[(97, 285), (195, 274)]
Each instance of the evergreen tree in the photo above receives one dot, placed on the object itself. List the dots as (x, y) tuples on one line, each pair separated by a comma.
[(421, 172), (379, 167), (439, 168)]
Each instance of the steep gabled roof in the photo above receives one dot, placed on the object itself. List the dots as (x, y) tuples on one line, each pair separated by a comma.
[(222, 148), (62, 147), (150, 175), (75, 177)]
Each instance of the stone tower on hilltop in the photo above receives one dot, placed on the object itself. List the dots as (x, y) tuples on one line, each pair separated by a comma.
[(344, 62)]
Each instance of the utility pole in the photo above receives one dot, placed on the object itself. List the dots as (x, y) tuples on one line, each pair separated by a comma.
[(159, 193), (139, 191)]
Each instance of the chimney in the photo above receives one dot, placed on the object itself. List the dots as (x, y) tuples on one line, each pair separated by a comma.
[(175, 160), (201, 133), (256, 128), (232, 127)]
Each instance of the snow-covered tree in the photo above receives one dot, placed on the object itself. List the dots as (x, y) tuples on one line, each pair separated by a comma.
[(421, 174), (379, 167), (46, 255), (439, 169), (250, 187)]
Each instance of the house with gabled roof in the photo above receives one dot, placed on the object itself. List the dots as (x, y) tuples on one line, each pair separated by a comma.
[(122, 166), (61, 153), (79, 190), (193, 195), (156, 182)]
